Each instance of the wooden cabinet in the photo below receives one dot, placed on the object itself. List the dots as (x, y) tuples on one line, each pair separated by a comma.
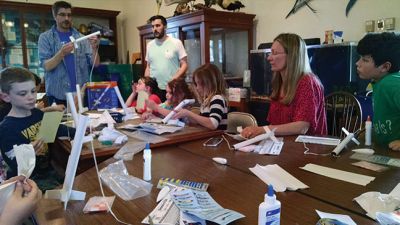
[(22, 23), (220, 37)]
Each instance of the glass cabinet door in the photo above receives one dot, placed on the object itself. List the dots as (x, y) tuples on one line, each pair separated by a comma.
[(34, 25), (229, 50), (11, 53), (192, 43)]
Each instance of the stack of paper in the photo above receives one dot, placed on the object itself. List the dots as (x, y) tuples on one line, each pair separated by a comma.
[(277, 177), (152, 128), (192, 207), (338, 174)]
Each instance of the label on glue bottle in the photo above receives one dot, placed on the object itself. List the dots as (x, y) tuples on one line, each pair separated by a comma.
[(269, 211)]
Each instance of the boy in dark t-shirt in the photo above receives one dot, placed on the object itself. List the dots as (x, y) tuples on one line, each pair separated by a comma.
[(21, 126)]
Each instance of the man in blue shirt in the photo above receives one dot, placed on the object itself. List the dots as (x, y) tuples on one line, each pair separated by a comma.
[(64, 65)]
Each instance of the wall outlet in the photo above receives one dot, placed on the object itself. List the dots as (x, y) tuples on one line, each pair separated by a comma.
[(389, 23), (380, 25), (369, 26)]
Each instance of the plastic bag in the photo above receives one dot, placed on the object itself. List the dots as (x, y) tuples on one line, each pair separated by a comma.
[(127, 187), (388, 218), (127, 151)]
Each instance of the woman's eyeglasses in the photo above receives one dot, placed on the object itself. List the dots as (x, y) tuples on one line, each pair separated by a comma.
[(273, 53)]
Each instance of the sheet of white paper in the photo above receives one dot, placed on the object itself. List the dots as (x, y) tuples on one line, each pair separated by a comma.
[(152, 128), (105, 118), (93, 115), (39, 96), (165, 213), (154, 120), (189, 219), (6, 191), (278, 177), (339, 174), (49, 126), (202, 205), (342, 218), (396, 191), (146, 137)]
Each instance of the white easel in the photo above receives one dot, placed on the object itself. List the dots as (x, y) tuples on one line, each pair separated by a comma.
[(66, 193)]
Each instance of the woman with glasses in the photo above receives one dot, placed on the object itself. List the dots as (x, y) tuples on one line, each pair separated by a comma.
[(297, 99)]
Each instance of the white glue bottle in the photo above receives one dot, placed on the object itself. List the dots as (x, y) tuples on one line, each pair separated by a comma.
[(147, 163), (269, 211), (368, 131)]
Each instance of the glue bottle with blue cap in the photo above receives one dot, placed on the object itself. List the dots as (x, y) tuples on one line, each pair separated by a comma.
[(147, 163), (269, 211)]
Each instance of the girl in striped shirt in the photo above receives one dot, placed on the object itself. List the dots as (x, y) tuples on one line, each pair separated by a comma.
[(209, 87)]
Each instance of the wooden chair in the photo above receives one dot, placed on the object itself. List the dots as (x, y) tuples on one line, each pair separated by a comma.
[(135, 57), (342, 110), (237, 119)]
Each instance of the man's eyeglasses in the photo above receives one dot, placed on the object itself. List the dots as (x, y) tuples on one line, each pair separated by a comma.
[(65, 14)]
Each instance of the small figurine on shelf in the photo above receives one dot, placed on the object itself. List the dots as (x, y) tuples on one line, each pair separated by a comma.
[(159, 3), (231, 5), (207, 4), (184, 6), (181, 8)]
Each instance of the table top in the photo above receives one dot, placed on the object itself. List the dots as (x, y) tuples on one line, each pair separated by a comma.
[(335, 192), (232, 188), (188, 133)]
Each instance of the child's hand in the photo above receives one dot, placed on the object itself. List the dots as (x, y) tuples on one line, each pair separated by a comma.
[(39, 146), (134, 87), (147, 115), (40, 105), (395, 145), (181, 114), (22, 202), (151, 105), (59, 108)]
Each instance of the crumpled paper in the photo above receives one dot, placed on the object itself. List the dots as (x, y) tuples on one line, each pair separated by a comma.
[(26, 159), (110, 134), (373, 202)]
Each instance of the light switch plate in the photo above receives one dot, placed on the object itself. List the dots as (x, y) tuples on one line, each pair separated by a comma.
[(389, 23)]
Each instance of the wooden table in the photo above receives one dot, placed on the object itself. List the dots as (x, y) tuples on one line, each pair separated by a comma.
[(230, 187), (335, 192), (62, 148)]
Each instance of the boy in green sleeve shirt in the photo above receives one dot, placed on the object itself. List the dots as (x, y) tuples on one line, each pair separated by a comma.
[(380, 62)]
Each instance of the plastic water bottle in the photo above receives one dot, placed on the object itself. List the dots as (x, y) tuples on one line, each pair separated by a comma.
[(269, 211), (147, 163), (368, 131)]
